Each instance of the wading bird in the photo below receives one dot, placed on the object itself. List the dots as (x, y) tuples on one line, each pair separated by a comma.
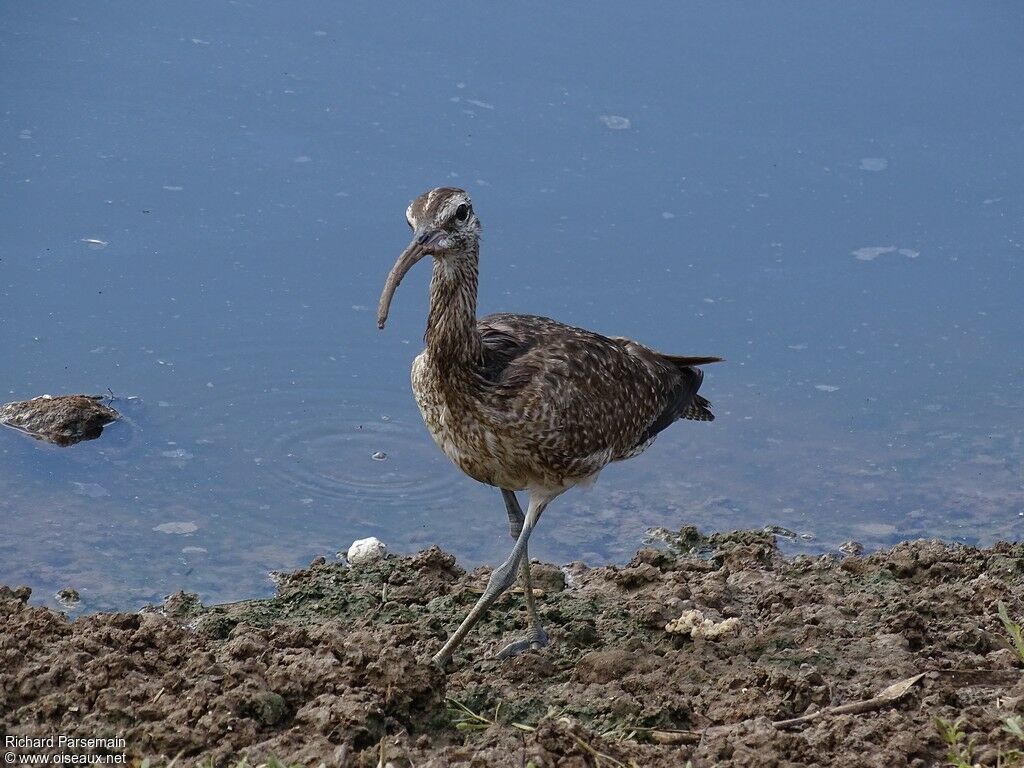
[(523, 402)]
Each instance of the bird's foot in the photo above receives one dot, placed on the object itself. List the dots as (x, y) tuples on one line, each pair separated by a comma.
[(536, 639)]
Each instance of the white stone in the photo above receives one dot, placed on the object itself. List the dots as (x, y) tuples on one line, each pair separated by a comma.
[(366, 551)]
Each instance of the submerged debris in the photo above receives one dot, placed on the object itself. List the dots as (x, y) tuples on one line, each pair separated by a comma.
[(68, 597), (63, 420), (781, 532)]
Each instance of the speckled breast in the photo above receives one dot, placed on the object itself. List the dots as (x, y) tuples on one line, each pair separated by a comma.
[(459, 431)]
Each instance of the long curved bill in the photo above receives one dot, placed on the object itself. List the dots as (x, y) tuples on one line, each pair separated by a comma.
[(410, 256)]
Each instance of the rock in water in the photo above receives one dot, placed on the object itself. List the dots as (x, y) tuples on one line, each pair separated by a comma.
[(62, 420)]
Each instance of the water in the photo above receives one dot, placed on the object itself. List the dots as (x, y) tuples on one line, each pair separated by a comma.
[(199, 203)]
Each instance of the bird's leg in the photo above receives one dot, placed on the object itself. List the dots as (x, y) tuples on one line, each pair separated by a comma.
[(536, 637), (516, 518), (501, 579)]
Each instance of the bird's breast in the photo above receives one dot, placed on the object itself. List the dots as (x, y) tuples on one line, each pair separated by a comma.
[(461, 429)]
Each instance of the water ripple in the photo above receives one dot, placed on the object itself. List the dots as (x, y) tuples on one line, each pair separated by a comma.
[(336, 457)]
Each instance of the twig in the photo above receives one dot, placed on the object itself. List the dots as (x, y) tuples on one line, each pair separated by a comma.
[(890, 695), (670, 735)]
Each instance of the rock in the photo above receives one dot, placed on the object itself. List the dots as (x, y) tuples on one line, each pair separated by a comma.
[(851, 548), (63, 420), (368, 550), (268, 707)]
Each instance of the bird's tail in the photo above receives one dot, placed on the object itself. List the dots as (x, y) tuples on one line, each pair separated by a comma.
[(699, 408), (685, 362)]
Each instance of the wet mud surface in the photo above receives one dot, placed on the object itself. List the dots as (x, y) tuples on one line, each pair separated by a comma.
[(862, 652)]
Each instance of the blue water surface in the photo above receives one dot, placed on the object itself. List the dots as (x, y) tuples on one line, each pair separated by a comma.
[(199, 202)]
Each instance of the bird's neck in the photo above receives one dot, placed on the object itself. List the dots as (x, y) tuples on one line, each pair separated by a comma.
[(452, 337)]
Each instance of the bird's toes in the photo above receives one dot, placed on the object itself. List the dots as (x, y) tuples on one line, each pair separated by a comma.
[(514, 648), (534, 641)]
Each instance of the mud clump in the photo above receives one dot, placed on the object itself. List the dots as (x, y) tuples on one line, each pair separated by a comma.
[(802, 661)]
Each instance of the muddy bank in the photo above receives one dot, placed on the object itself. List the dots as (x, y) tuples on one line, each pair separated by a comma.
[(332, 669)]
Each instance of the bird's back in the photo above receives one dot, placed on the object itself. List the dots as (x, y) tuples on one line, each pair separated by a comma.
[(577, 400)]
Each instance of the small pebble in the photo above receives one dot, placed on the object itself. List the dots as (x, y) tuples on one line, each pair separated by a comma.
[(367, 550), (379, 456)]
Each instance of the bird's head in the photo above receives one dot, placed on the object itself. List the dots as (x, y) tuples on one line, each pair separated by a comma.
[(444, 226)]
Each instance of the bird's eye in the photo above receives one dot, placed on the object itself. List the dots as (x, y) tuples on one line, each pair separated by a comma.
[(462, 212)]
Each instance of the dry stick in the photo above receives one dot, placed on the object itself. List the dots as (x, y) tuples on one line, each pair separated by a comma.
[(896, 691), (890, 695), (671, 737)]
